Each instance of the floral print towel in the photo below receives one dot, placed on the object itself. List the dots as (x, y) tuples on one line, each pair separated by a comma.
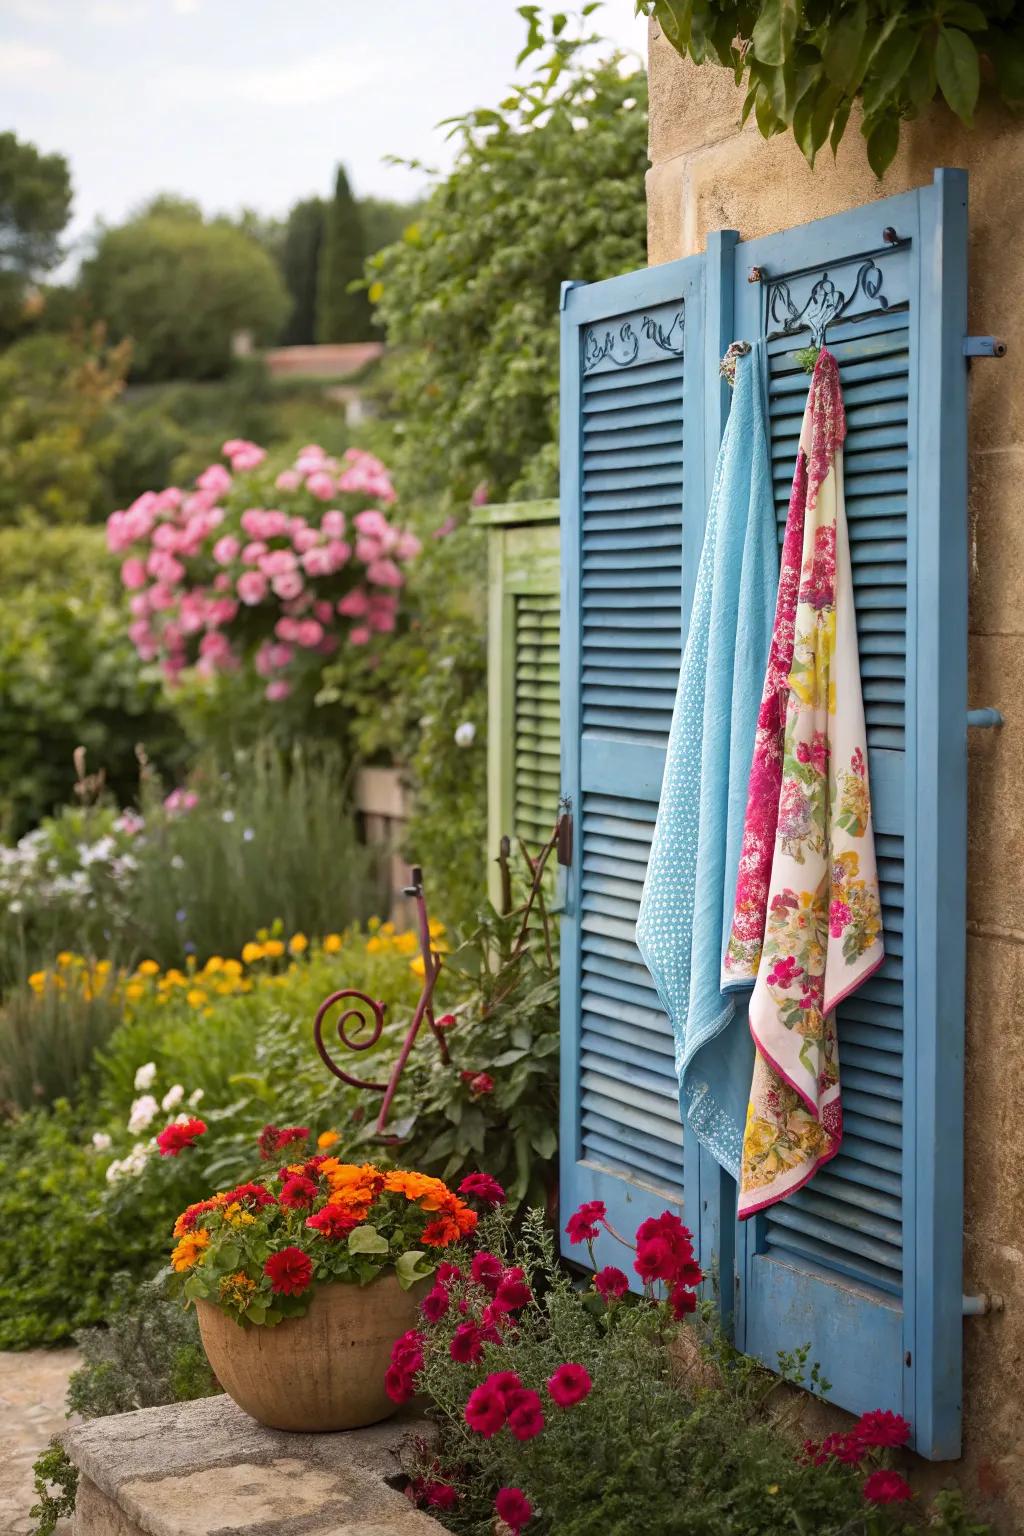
[(806, 926)]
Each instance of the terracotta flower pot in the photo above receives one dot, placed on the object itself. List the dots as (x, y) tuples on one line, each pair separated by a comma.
[(324, 1371)]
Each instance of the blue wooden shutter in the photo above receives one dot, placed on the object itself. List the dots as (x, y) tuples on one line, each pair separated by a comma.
[(865, 1263), (632, 482)]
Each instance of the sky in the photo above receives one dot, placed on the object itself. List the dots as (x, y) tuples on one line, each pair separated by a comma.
[(251, 103)]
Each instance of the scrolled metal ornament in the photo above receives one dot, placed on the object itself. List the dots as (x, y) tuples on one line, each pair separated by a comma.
[(825, 303), (377, 1009)]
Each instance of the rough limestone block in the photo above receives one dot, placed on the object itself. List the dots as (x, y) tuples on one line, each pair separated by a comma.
[(207, 1469)]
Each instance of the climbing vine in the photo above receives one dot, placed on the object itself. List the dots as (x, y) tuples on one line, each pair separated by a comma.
[(805, 62)]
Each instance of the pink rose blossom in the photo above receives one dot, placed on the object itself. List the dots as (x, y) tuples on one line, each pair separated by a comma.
[(161, 598), (277, 561), (287, 629), (288, 480), (360, 635), (372, 522), (226, 549), (215, 480), (324, 612), (277, 690), (221, 611), (407, 546), (133, 574), (252, 587), (310, 634), (321, 485), (288, 584), (305, 539), (253, 553), (247, 456), (368, 550), (139, 605), (192, 614), (384, 573), (354, 605), (166, 536), (332, 525)]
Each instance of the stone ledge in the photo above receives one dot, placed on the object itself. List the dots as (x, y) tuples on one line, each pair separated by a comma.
[(208, 1469)]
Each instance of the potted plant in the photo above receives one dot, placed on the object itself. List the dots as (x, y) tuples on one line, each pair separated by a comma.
[(303, 1282)]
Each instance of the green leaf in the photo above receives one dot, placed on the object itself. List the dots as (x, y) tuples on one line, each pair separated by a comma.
[(887, 74), (366, 1239), (883, 142), (921, 81), (767, 122), (964, 13), (411, 1266), (839, 125), (1009, 59), (545, 1141), (675, 17), (958, 71), (843, 46), (775, 30)]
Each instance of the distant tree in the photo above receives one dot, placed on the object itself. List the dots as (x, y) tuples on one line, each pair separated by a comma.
[(384, 221), (35, 205), (181, 289), (341, 315), (300, 261)]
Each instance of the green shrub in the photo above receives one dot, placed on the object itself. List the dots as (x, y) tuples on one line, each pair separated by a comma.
[(69, 675), (55, 1480), (49, 1039)]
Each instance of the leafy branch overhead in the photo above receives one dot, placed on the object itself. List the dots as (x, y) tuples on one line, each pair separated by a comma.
[(805, 62)]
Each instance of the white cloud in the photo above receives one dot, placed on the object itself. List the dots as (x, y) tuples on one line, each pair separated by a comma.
[(26, 58), (309, 81), (186, 7)]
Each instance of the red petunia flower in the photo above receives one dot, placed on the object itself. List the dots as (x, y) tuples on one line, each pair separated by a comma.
[(682, 1301), (398, 1384), (485, 1410), (290, 1272), (525, 1413), (446, 1273), (297, 1192), (514, 1508), (504, 1382), (668, 1227), (569, 1385), (174, 1138), (513, 1292), (610, 1282), (654, 1260), (466, 1347), (583, 1225), (487, 1271), (887, 1487), (435, 1305), (483, 1188), (440, 1496), (882, 1427), (333, 1221)]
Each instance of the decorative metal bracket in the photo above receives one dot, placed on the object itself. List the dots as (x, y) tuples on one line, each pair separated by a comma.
[(985, 719), (981, 1306), (984, 346), (423, 1013), (825, 303), (659, 332)]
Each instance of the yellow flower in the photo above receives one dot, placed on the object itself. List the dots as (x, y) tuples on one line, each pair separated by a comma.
[(134, 990), (215, 963), (327, 1139), (237, 1216), (273, 949), (417, 966), (37, 981), (149, 968), (387, 928), (102, 967), (298, 943), (374, 946), (436, 928), (175, 978), (252, 952), (195, 997), (407, 943), (233, 967), (190, 1250), (237, 1288), (66, 957), (332, 943)]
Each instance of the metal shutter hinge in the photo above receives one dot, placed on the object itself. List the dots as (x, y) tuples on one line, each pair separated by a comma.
[(981, 1306), (984, 346), (565, 839), (985, 719)]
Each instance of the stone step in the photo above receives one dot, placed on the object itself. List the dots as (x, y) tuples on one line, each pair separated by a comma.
[(195, 1469)]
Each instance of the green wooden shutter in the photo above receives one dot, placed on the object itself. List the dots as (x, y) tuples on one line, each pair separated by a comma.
[(523, 778)]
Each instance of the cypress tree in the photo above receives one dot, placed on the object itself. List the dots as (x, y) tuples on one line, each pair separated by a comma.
[(342, 316), (300, 261)]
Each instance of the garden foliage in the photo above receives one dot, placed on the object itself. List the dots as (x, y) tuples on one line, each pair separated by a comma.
[(35, 205), (805, 65), (342, 311)]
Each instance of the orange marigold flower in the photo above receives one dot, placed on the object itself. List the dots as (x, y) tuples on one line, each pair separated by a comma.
[(430, 1194), (440, 1232), (237, 1288), (190, 1250)]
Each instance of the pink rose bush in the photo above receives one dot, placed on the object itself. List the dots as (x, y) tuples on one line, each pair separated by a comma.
[(272, 570)]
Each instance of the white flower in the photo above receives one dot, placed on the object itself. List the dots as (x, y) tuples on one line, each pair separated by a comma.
[(98, 852), (465, 734), (195, 1098), (177, 862), (14, 906), (142, 1113), (101, 1141), (133, 1164), (248, 835), (144, 1077), (228, 816), (172, 1097)]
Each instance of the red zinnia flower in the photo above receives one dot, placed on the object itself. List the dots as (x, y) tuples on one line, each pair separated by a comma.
[(466, 1346), (440, 1496), (570, 1384), (297, 1192), (290, 1272), (582, 1226), (435, 1305), (485, 1410), (174, 1138), (671, 1230), (514, 1508), (254, 1195), (881, 1427), (513, 1292), (887, 1487), (272, 1138), (610, 1282), (525, 1413), (487, 1271), (332, 1221), (484, 1188)]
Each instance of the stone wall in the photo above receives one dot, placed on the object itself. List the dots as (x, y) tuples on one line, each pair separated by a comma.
[(706, 174)]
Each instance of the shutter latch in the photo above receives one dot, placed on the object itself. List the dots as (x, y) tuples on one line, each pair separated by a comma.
[(984, 346), (565, 839)]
